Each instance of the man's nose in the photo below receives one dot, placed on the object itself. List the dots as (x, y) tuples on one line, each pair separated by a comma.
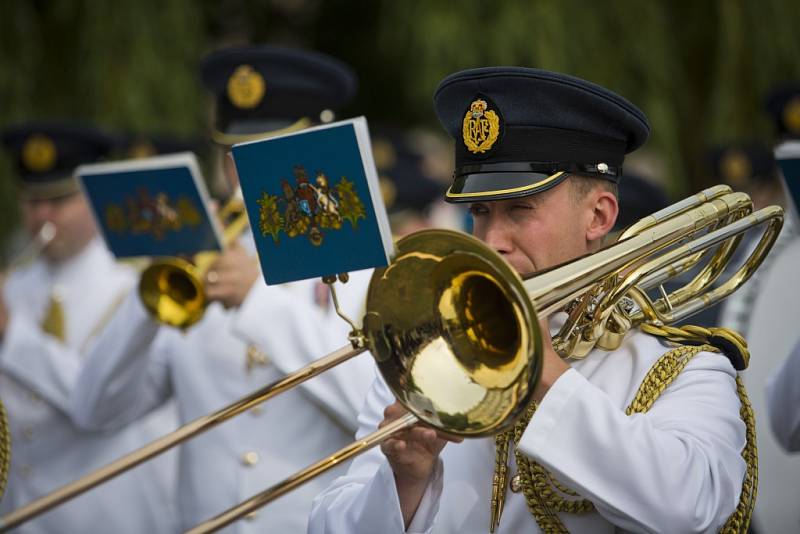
[(498, 236), (41, 210)]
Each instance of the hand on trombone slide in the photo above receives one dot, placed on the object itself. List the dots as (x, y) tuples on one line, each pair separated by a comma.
[(413, 455)]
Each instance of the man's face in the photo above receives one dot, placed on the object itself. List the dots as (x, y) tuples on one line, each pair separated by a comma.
[(535, 232), (71, 218)]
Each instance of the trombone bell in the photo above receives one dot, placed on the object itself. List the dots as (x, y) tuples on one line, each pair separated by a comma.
[(172, 289), (172, 292), (461, 350)]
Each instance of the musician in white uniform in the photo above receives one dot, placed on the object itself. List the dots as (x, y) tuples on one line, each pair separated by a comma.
[(537, 156), (266, 333), (763, 312), (783, 401), (49, 312)]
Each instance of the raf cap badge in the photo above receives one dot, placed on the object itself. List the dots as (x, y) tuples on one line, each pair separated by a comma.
[(481, 127), (246, 87), (39, 153)]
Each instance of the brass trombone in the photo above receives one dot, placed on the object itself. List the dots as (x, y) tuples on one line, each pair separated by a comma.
[(172, 289), (462, 350)]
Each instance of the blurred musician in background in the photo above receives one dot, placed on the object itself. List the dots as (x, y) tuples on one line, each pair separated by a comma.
[(749, 167), (408, 193), (50, 311), (252, 335), (769, 313), (783, 401)]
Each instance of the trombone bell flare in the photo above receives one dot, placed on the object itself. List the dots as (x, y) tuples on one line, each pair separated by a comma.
[(171, 291), (461, 350)]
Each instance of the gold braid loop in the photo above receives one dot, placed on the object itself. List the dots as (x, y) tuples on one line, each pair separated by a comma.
[(538, 484), (740, 520), (729, 342), (5, 449)]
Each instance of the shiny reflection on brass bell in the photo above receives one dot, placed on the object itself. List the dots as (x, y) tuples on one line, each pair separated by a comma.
[(172, 291), (461, 348)]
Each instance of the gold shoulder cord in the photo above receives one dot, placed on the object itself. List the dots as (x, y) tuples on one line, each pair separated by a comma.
[(5, 449), (546, 497)]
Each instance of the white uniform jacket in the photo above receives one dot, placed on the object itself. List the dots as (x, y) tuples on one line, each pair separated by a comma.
[(137, 365), (677, 468), (783, 401), (37, 376)]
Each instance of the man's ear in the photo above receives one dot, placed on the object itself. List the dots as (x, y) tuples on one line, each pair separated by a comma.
[(604, 210)]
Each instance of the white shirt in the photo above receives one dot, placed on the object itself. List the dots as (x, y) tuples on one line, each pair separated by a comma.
[(676, 468), (37, 376), (138, 365)]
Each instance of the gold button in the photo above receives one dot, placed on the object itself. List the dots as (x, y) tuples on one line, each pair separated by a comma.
[(250, 458), (257, 410), (27, 433), (516, 483), (255, 358), (25, 471), (34, 397), (251, 516)]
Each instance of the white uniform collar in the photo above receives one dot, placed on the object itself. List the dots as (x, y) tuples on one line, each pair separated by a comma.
[(65, 272)]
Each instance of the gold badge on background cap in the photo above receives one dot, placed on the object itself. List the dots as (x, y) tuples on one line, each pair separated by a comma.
[(246, 87), (480, 128), (791, 115), (39, 153), (142, 149), (384, 154), (388, 191), (735, 167)]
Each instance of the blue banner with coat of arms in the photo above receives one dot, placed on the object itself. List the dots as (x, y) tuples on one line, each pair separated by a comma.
[(151, 207), (313, 202)]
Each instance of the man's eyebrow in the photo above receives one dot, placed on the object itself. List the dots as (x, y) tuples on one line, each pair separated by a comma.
[(534, 200)]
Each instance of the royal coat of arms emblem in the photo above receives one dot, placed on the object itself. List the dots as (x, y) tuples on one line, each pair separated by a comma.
[(309, 209)]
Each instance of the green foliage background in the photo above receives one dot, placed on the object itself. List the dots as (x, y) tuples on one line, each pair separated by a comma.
[(699, 69)]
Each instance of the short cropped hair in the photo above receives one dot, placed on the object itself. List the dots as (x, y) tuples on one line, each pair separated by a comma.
[(582, 185)]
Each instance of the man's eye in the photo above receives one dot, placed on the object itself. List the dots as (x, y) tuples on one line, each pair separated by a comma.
[(477, 209), (519, 207)]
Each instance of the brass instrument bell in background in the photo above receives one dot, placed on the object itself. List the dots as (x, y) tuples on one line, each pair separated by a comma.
[(173, 289)]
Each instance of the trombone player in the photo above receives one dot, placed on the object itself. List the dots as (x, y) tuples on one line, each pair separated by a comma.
[(249, 336), (538, 156), (50, 310)]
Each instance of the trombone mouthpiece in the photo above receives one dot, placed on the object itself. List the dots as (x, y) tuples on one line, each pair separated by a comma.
[(46, 233)]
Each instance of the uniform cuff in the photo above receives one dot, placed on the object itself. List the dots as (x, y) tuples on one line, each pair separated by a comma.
[(429, 505), (550, 412)]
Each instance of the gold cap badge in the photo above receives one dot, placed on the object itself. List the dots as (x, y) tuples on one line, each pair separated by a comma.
[(246, 87), (791, 115), (142, 149), (384, 154), (388, 191), (480, 128), (39, 153), (735, 168)]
